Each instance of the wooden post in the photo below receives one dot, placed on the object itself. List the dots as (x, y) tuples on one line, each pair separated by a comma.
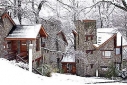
[(30, 57), (121, 52)]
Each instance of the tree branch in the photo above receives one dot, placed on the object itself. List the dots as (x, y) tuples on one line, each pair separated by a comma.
[(124, 3), (118, 6), (65, 4)]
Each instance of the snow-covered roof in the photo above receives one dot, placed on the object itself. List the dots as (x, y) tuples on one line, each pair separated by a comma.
[(68, 59), (103, 34), (24, 31), (16, 20)]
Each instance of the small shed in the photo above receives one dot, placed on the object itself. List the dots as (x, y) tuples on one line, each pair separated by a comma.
[(68, 64)]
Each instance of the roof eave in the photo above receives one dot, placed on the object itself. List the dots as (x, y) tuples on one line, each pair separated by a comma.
[(43, 32), (107, 41), (20, 38)]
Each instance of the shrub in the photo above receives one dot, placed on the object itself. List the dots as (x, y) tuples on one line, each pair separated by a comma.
[(46, 70), (111, 72)]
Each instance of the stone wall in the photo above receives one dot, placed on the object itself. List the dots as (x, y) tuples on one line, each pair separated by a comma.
[(36, 54), (53, 44), (5, 27), (83, 29), (97, 61), (85, 58)]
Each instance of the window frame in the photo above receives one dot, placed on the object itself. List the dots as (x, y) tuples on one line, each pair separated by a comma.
[(116, 50), (104, 54), (89, 37), (89, 51)]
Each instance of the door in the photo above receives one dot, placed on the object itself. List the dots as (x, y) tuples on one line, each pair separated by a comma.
[(64, 67), (23, 47), (14, 46)]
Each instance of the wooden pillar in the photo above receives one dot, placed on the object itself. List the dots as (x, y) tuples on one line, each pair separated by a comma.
[(30, 57), (18, 44)]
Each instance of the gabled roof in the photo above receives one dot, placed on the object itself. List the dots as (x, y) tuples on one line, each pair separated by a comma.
[(74, 32), (70, 58), (63, 36), (6, 15), (104, 35), (108, 40), (87, 20), (24, 32)]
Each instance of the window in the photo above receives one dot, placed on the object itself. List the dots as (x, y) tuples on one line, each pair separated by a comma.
[(104, 68), (8, 45), (106, 54), (77, 60), (42, 44), (91, 65), (75, 42), (89, 37), (89, 51), (37, 44), (117, 51)]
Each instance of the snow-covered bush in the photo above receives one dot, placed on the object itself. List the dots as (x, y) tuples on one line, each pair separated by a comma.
[(46, 70), (20, 64)]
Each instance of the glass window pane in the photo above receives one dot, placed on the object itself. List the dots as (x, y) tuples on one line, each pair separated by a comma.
[(117, 51), (107, 53)]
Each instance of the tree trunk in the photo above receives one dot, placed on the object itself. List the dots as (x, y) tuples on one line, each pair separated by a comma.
[(19, 11)]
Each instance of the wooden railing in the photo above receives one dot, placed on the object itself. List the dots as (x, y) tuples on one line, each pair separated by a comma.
[(18, 58), (34, 69)]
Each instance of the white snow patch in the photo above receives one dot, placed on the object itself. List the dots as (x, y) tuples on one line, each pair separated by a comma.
[(10, 74)]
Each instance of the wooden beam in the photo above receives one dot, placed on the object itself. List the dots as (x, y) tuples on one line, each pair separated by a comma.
[(20, 38)]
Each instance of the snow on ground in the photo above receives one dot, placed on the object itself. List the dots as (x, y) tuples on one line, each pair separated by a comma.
[(11, 74)]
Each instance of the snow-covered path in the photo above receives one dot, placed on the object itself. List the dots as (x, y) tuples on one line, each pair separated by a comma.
[(10, 74)]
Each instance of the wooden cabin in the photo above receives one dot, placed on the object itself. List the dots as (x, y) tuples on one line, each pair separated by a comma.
[(19, 38)]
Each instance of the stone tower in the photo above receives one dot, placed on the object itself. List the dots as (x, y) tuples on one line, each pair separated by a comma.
[(86, 37)]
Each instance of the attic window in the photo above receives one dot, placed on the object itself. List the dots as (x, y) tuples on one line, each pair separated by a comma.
[(104, 68)]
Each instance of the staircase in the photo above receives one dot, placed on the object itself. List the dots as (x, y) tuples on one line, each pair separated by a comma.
[(19, 58), (22, 57)]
